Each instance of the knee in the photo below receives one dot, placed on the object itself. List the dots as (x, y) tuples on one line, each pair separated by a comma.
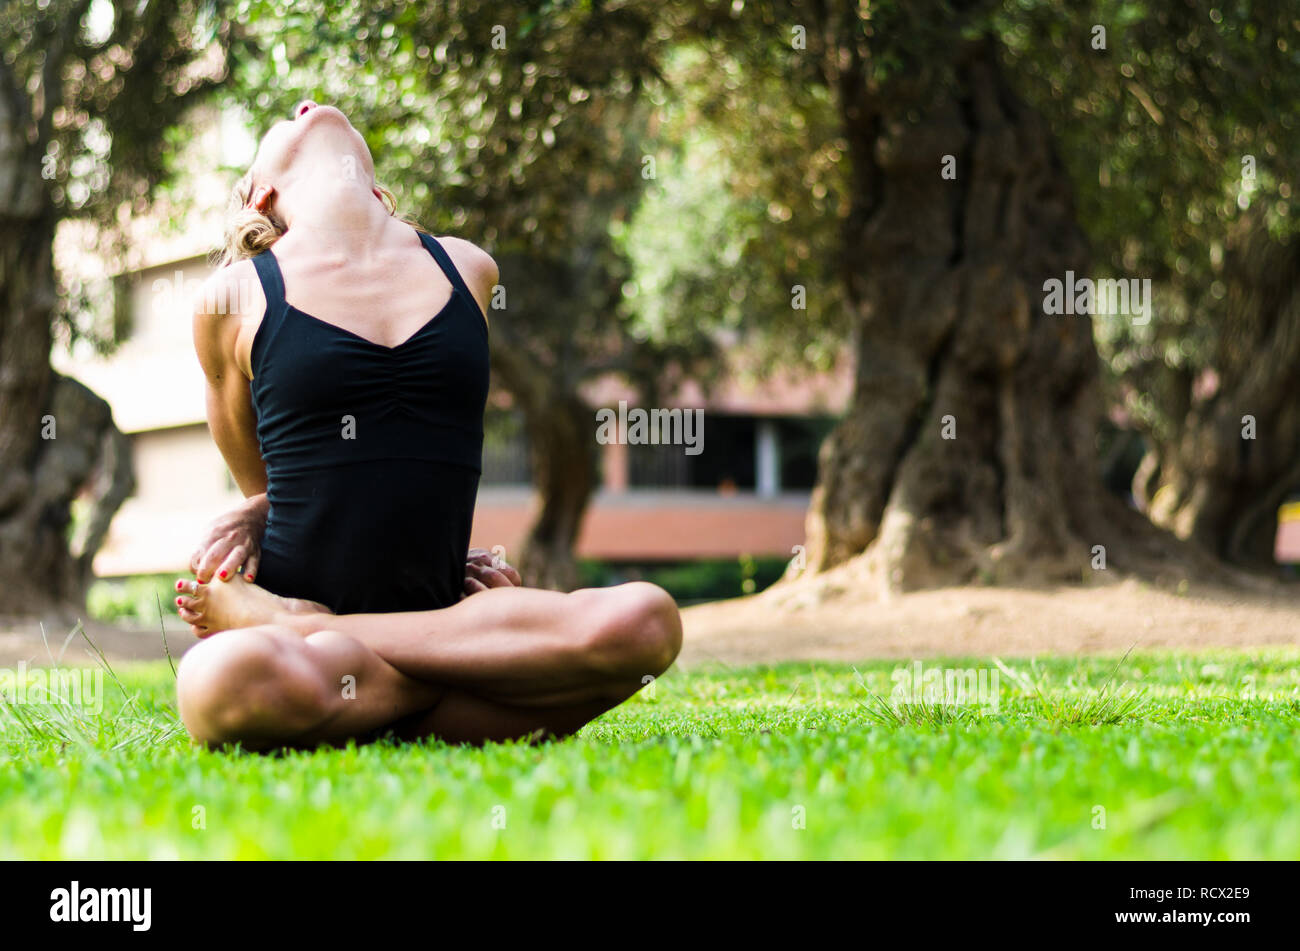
[(635, 631), (249, 686)]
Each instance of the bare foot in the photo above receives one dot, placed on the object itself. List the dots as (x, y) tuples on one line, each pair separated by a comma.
[(225, 605)]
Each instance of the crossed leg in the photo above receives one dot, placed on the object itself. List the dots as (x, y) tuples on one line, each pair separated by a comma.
[(502, 664)]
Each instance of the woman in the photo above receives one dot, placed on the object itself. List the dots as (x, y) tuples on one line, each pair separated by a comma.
[(346, 392)]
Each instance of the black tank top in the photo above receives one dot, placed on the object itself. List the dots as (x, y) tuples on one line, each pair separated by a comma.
[(372, 453)]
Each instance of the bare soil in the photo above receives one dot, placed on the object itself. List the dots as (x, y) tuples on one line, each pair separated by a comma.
[(798, 623)]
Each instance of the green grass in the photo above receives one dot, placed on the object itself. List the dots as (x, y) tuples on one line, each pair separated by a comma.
[(132, 600), (1203, 763)]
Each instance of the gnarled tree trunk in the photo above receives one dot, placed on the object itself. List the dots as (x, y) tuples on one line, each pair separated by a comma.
[(1219, 478), (564, 466), (946, 281), (42, 568), (54, 433), (57, 83), (27, 299), (561, 436)]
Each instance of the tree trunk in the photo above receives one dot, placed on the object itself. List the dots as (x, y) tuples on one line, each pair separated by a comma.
[(27, 297), (54, 433), (561, 435), (1220, 477), (968, 452), (563, 457), (42, 569)]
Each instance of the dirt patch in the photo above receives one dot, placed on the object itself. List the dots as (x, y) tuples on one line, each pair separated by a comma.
[(793, 624)]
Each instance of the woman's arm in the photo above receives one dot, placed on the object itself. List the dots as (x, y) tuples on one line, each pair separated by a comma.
[(234, 539), (218, 326)]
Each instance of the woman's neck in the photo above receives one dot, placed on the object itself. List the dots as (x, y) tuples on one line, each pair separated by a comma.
[(336, 216)]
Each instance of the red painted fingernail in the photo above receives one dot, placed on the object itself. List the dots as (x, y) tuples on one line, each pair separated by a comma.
[(223, 574)]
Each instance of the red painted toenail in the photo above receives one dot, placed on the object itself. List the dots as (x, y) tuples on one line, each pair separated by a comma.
[(179, 602), (180, 586)]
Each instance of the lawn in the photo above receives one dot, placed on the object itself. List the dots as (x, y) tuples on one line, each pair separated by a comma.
[(793, 761)]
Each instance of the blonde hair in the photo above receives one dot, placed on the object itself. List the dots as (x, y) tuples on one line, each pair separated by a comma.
[(249, 232)]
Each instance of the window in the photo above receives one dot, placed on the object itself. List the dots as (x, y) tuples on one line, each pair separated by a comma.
[(801, 439)]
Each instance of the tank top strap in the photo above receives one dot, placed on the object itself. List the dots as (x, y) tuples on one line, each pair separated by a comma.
[(268, 272), (435, 248)]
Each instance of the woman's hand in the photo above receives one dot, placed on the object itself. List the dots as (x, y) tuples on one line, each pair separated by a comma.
[(486, 569), (232, 541)]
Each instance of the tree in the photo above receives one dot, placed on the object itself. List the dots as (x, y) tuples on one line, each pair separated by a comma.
[(87, 94), (1218, 475), (969, 448), (1185, 165)]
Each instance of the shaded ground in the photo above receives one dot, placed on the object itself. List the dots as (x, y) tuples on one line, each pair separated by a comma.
[(796, 624), (800, 624)]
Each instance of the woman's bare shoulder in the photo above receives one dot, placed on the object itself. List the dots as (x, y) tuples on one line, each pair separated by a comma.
[(474, 264), (227, 304), (234, 290)]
